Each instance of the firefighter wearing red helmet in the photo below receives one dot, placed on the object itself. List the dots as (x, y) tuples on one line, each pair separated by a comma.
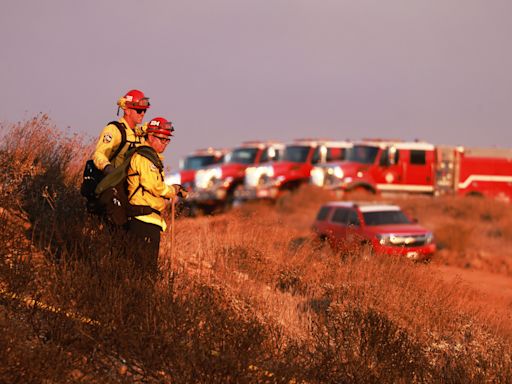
[(113, 142), (146, 186)]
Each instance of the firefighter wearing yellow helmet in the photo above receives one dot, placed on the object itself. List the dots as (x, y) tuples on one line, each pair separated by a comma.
[(113, 142)]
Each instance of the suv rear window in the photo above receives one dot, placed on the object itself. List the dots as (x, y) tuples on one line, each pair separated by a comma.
[(322, 213), (340, 216), (353, 219), (385, 217)]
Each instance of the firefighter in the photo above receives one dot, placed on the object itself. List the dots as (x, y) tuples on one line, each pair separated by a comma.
[(146, 186), (113, 143)]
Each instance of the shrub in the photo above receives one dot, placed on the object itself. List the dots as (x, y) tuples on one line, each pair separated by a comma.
[(454, 236)]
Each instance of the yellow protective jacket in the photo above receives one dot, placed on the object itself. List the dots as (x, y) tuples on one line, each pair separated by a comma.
[(109, 141), (146, 187)]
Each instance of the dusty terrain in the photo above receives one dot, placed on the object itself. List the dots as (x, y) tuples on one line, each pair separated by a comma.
[(247, 296), (474, 238), (496, 290), (475, 241)]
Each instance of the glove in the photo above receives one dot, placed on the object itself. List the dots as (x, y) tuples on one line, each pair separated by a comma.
[(108, 169), (180, 191)]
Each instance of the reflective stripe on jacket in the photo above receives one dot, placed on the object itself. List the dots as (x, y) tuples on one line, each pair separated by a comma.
[(109, 141), (146, 187)]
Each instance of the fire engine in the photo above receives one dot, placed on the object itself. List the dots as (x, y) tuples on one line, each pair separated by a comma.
[(194, 161), (419, 167), (216, 185), (475, 171), (188, 166), (271, 180)]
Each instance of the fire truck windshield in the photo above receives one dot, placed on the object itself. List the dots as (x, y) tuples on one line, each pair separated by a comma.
[(385, 218), (296, 154), (197, 162), (242, 155), (362, 154)]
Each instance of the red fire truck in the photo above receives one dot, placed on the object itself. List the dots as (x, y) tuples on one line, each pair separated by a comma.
[(271, 180), (216, 185), (475, 171), (191, 163), (419, 167), (188, 167)]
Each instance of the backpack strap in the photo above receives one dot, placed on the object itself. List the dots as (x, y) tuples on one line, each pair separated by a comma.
[(122, 130), (135, 191), (150, 154), (116, 176), (156, 211)]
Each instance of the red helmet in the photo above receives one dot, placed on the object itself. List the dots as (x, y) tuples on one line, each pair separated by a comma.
[(160, 126), (134, 99)]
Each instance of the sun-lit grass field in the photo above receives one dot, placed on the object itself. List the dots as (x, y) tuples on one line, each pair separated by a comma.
[(250, 296)]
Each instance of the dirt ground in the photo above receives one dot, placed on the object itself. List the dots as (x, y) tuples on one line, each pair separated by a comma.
[(495, 289)]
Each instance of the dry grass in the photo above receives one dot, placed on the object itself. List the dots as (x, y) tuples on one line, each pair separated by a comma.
[(249, 296), (471, 232)]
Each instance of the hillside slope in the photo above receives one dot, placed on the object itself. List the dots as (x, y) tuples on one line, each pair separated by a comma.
[(249, 296)]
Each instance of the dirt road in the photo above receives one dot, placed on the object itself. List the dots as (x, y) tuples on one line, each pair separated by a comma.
[(495, 287)]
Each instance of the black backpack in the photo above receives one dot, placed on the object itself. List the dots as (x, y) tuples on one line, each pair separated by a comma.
[(112, 189), (92, 175)]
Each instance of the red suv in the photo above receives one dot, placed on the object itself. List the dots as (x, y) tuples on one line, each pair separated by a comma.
[(383, 227)]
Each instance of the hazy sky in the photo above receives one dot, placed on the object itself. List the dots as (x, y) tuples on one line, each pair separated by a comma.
[(225, 71)]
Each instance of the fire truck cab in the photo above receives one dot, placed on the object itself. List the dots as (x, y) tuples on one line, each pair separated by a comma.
[(190, 164), (293, 169), (380, 165), (216, 185)]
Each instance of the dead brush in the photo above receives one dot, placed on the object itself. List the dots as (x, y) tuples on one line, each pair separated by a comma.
[(358, 344), (407, 301), (25, 356), (36, 157), (305, 198), (454, 236), (470, 232), (407, 295), (224, 242), (17, 274), (411, 307), (496, 219), (248, 298)]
